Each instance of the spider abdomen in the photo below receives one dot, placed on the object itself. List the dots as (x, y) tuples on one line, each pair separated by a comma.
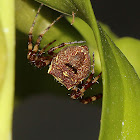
[(71, 65)]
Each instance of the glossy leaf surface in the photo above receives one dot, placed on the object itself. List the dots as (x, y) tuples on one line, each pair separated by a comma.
[(121, 85)]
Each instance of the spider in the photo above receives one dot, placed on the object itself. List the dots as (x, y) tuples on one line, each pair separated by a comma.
[(70, 66)]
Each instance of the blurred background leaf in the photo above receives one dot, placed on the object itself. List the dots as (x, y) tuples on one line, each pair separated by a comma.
[(7, 73), (131, 49)]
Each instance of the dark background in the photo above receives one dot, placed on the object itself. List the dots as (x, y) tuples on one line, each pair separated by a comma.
[(51, 117), (123, 16)]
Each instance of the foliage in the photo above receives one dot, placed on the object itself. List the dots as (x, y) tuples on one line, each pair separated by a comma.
[(7, 57), (121, 84)]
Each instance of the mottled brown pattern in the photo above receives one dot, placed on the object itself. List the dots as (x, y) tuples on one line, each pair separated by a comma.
[(78, 58)]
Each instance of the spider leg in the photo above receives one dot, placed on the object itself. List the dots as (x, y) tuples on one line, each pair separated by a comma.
[(30, 46), (50, 51), (45, 59), (80, 93), (34, 55), (77, 93), (43, 49), (90, 99), (73, 16), (41, 35)]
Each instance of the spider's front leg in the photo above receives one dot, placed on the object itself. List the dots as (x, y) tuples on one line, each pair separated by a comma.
[(35, 56), (32, 53)]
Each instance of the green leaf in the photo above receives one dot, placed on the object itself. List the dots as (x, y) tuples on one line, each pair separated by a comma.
[(120, 114), (107, 29), (7, 55), (121, 85), (2, 56), (131, 49)]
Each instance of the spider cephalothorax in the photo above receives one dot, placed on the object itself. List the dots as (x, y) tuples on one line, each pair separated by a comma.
[(70, 66)]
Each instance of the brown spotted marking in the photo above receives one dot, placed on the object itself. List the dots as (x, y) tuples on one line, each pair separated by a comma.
[(73, 60)]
